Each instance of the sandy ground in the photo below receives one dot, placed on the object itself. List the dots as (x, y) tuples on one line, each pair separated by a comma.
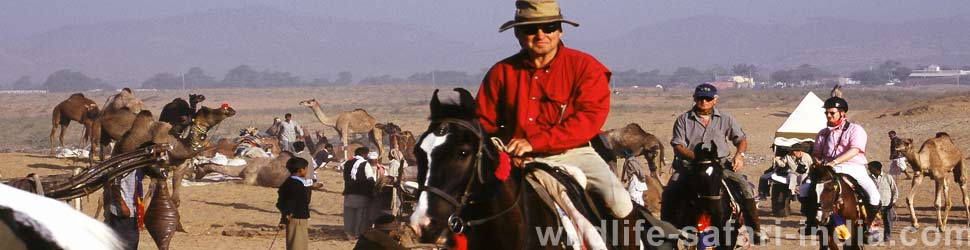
[(234, 216)]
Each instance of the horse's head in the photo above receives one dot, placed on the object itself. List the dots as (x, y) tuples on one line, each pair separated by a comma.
[(449, 157), (705, 177), (827, 190)]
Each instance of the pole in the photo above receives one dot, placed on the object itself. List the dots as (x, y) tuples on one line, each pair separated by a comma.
[(183, 81)]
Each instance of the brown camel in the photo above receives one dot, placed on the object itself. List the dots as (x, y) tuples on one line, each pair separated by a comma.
[(115, 119), (356, 121), (145, 130), (76, 108), (632, 140), (406, 143), (937, 157), (264, 172)]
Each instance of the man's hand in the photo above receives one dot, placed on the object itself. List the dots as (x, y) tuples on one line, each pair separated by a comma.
[(519, 146), (831, 164), (737, 162), (125, 212)]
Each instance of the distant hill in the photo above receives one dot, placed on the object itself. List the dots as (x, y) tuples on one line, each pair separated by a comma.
[(131, 51), (836, 45)]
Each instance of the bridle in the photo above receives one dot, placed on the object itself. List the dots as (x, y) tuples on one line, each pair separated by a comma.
[(456, 223), (836, 197), (720, 192)]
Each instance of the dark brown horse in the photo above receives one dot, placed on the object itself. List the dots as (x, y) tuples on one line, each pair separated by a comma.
[(836, 196), (461, 198), (707, 198)]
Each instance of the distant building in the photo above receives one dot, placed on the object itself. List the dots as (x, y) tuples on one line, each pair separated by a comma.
[(722, 85), (738, 80), (934, 71)]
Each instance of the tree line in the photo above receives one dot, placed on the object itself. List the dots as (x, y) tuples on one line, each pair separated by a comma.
[(244, 76)]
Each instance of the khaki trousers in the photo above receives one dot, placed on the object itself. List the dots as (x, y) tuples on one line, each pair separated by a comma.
[(601, 182), (297, 237)]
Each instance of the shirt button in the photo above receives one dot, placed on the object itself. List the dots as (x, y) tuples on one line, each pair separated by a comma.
[(547, 71), (533, 98), (530, 119), (535, 77)]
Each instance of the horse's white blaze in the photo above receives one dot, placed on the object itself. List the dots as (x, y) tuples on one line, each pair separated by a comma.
[(420, 216), (709, 170)]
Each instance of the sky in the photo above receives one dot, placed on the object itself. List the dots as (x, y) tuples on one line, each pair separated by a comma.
[(473, 20)]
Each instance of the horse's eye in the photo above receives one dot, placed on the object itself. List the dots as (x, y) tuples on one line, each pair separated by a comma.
[(463, 153)]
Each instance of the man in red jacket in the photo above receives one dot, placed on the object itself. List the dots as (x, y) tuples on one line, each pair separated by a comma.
[(548, 100)]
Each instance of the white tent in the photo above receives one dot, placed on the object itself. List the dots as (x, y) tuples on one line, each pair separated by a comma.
[(803, 123)]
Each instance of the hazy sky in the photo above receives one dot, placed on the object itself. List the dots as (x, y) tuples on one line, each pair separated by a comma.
[(471, 20)]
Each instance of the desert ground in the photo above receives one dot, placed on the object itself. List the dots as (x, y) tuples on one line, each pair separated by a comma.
[(227, 215)]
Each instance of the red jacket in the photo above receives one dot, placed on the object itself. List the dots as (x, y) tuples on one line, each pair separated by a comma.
[(556, 108)]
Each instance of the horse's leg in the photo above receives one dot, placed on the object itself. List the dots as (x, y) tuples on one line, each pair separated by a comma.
[(917, 180)]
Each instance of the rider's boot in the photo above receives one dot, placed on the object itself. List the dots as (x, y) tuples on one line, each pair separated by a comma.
[(750, 212), (872, 212)]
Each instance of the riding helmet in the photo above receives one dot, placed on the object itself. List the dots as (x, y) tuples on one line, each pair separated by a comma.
[(836, 102)]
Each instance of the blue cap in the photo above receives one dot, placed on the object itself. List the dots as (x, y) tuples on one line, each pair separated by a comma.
[(705, 90)]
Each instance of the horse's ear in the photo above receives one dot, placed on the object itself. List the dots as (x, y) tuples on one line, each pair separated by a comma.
[(713, 149), (467, 100), (435, 104)]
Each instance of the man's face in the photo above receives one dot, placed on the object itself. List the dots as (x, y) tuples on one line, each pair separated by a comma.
[(539, 39), (288, 118), (833, 115), (705, 103), (796, 153)]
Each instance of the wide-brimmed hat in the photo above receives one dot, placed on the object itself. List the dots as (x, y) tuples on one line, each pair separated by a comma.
[(534, 12)]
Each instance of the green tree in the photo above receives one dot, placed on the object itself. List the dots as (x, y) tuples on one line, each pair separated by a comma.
[(163, 81), (241, 76), (23, 83), (66, 80), (196, 78), (344, 78)]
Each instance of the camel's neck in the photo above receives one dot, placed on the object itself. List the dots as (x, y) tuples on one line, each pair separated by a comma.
[(192, 105), (321, 116), (913, 159)]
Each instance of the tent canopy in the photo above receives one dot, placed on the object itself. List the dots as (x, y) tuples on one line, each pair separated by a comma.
[(803, 123)]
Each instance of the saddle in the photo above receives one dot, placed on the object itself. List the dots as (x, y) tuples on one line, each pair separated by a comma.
[(861, 196)]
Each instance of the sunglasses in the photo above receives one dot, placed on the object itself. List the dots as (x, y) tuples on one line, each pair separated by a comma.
[(706, 99), (533, 29), (830, 113)]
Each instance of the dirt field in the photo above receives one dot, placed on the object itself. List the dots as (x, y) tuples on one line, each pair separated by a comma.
[(236, 216)]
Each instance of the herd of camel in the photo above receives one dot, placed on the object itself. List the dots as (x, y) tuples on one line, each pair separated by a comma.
[(124, 120)]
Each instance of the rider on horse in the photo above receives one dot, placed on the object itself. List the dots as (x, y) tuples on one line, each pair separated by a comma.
[(842, 146), (704, 123), (549, 100)]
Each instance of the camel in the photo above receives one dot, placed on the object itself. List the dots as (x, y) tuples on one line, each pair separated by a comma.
[(406, 143), (76, 108), (632, 140), (836, 91), (161, 218), (179, 112), (937, 157), (115, 119), (356, 121), (274, 129), (264, 172)]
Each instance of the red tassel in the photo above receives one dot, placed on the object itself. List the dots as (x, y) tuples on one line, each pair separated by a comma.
[(461, 242), (504, 166), (703, 222)]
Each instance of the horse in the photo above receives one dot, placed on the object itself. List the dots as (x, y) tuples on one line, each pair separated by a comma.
[(709, 201), (836, 195), (30, 221), (463, 201)]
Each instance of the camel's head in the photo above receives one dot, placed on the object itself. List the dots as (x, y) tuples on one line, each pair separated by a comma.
[(309, 103), (214, 116), (390, 128), (193, 98), (903, 144)]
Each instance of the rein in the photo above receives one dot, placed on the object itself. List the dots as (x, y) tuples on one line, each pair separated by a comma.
[(455, 222)]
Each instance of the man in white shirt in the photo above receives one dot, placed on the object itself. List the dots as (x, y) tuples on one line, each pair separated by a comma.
[(289, 132)]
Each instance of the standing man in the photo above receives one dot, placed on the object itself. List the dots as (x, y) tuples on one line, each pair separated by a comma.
[(289, 132), (122, 203), (358, 188), (888, 193), (842, 146), (549, 100), (703, 124), (897, 161)]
